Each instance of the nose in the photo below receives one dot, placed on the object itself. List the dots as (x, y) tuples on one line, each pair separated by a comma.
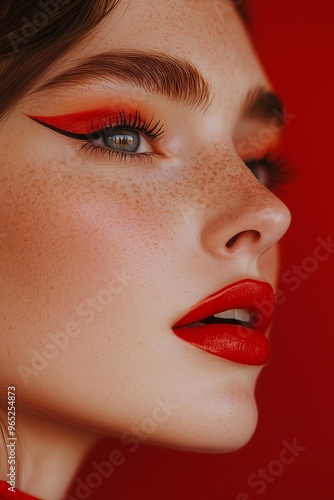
[(249, 220)]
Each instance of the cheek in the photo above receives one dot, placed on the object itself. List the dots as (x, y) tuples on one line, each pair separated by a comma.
[(59, 247), (69, 238)]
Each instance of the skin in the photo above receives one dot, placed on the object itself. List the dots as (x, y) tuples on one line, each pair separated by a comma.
[(157, 231)]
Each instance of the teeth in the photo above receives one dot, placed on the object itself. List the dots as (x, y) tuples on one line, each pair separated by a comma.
[(238, 314)]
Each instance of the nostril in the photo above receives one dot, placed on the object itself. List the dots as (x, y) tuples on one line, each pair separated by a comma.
[(232, 240), (255, 234)]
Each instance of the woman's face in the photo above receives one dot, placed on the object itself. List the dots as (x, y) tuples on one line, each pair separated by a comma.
[(102, 253)]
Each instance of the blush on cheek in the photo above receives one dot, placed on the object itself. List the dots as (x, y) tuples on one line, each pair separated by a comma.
[(59, 248)]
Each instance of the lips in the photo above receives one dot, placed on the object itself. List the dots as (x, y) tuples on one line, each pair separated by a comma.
[(239, 333)]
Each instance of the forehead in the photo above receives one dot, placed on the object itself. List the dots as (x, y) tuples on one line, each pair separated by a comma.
[(208, 33)]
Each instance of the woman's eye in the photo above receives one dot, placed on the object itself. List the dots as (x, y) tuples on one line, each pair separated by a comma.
[(260, 172), (124, 141), (125, 136), (272, 172)]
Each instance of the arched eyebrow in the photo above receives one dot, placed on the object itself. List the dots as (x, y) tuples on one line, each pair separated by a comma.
[(177, 79)]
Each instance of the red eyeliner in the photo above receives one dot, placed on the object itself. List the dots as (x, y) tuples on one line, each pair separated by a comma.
[(86, 122)]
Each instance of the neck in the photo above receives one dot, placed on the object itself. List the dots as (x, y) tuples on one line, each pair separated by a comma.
[(48, 454)]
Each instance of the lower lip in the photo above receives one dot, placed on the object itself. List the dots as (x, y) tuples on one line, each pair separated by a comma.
[(232, 342)]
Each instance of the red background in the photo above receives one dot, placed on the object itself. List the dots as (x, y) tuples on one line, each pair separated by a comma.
[(294, 39)]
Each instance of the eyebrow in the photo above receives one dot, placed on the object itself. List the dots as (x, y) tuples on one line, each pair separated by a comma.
[(177, 79), (261, 104), (174, 78)]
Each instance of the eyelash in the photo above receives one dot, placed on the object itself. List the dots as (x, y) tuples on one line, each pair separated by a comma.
[(152, 131), (277, 168)]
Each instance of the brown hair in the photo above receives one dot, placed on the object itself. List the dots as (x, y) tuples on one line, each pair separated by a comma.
[(33, 35)]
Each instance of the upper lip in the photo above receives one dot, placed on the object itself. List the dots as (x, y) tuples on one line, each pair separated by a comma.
[(256, 296)]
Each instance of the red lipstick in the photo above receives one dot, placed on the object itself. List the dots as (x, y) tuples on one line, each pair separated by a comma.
[(232, 322)]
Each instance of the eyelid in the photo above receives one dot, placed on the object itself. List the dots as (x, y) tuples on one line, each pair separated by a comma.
[(85, 122), (103, 124)]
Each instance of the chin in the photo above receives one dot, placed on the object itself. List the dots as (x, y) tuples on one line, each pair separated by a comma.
[(208, 426)]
